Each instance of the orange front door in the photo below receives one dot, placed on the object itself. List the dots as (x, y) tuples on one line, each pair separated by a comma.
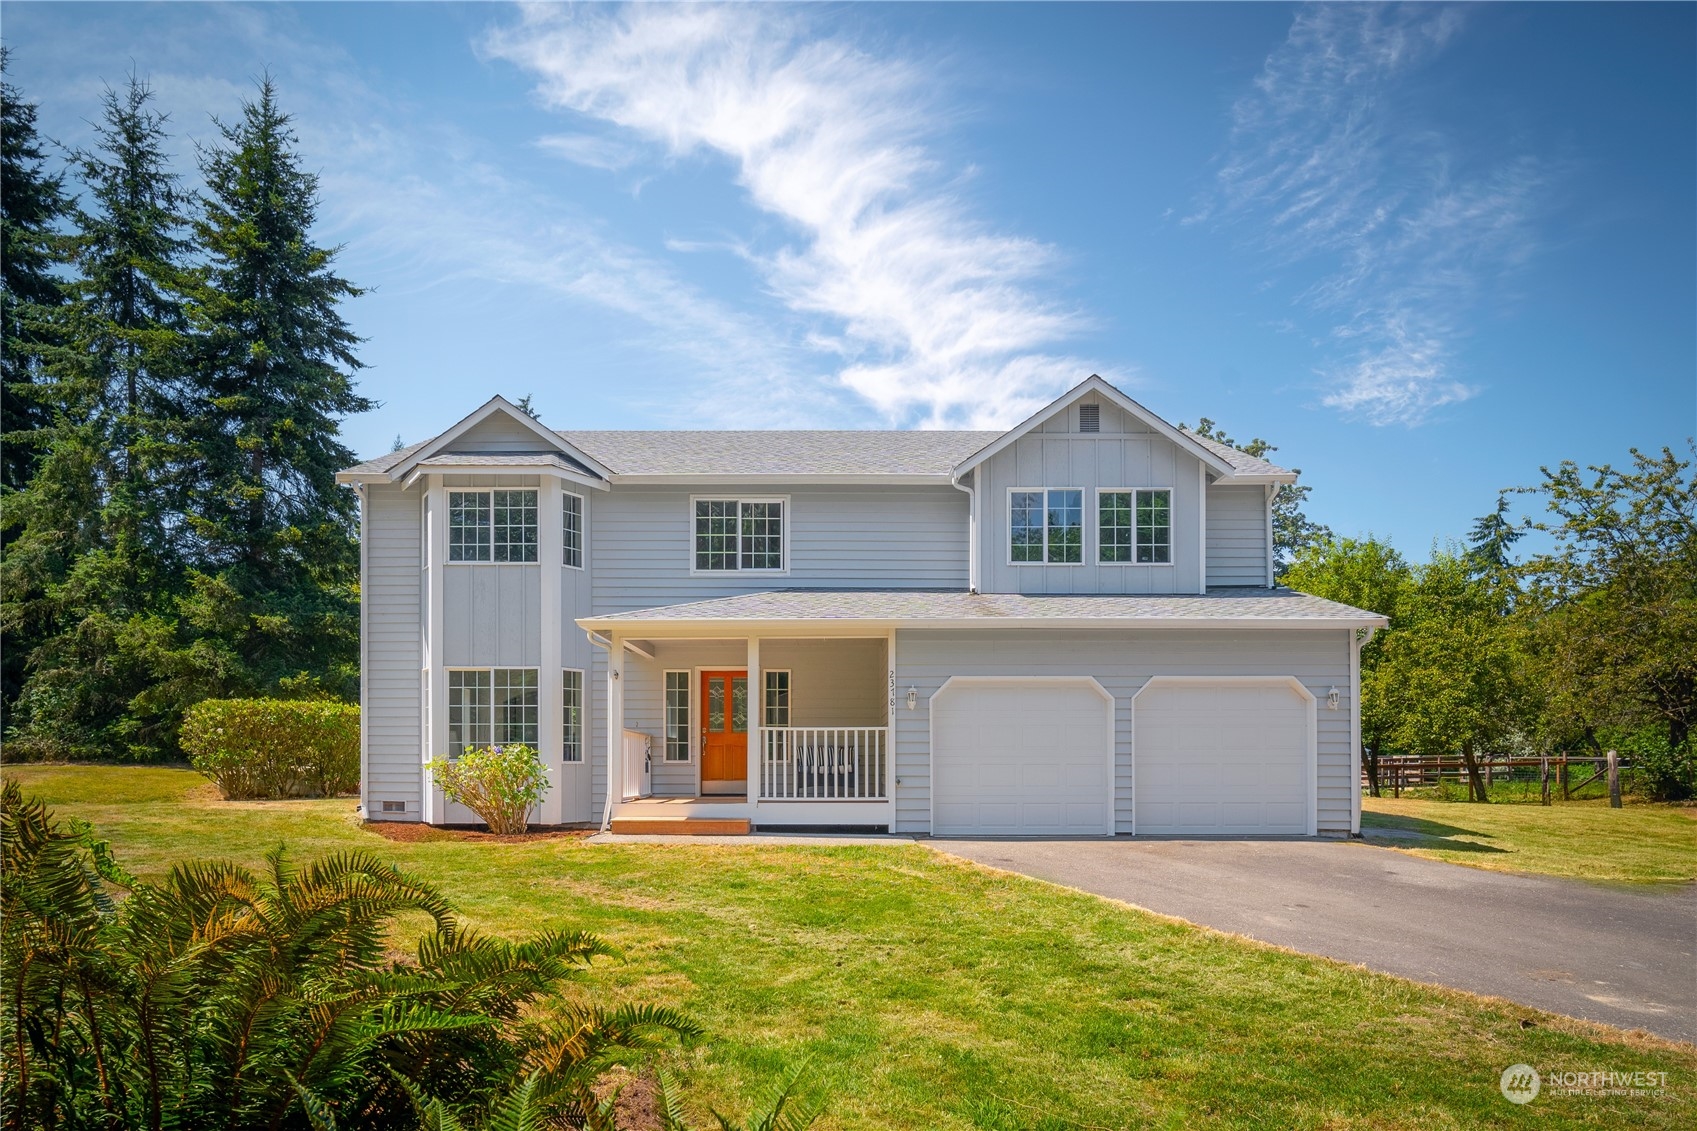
[(724, 727)]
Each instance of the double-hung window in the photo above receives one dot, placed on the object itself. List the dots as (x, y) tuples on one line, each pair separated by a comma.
[(571, 529), (677, 716), (492, 526), (777, 713), (491, 706), (1046, 526), (571, 698), (1135, 526), (739, 534)]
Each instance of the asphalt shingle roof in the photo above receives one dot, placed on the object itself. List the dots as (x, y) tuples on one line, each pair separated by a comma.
[(1242, 462), (1226, 604), (790, 452), (803, 452)]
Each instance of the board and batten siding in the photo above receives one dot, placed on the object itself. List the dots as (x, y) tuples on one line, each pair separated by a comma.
[(1122, 662), (1125, 454), (1237, 535), (392, 650)]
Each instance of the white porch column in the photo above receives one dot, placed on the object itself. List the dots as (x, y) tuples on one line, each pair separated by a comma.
[(756, 716), (550, 691), (615, 726), (435, 646), (1201, 526), (890, 726)]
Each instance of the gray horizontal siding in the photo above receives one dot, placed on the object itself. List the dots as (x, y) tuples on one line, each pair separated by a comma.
[(840, 538), (391, 707), (1122, 662), (1237, 535)]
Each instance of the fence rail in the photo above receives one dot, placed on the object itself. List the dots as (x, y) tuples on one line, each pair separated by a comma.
[(1563, 773), (824, 763)]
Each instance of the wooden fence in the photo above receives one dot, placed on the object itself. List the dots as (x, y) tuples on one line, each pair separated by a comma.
[(1565, 774)]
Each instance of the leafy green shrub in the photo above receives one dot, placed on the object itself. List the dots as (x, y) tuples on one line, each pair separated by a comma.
[(1660, 771), (258, 748), (498, 783)]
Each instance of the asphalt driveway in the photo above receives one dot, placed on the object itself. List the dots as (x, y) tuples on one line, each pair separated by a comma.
[(1622, 955)]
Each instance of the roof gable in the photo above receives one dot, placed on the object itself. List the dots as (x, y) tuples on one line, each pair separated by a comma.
[(498, 429), (1094, 384)]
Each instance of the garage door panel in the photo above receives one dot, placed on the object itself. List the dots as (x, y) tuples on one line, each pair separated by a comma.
[(1221, 758), (1021, 758)]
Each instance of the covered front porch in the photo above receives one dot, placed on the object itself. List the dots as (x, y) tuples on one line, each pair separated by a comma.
[(749, 732)]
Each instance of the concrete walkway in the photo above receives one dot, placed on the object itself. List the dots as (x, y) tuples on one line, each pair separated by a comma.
[(1622, 955)]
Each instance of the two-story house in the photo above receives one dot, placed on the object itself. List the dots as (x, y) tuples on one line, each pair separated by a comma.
[(1067, 628)]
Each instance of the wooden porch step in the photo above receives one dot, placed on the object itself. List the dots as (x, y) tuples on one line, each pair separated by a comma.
[(682, 826)]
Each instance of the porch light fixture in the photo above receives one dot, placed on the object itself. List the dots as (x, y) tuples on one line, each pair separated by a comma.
[(912, 698), (1332, 699)]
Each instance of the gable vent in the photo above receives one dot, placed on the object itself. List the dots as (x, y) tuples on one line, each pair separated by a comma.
[(1089, 418)]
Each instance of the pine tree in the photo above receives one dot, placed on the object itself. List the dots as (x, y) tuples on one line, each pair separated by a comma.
[(32, 201), (94, 552), (275, 602)]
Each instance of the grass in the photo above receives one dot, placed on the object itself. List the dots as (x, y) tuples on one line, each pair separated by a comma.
[(1639, 843), (928, 993)]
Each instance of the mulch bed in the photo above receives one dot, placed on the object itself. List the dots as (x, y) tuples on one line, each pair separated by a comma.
[(415, 832)]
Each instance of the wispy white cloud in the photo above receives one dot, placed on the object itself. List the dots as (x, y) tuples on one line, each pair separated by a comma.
[(931, 316), (1331, 174), (591, 150)]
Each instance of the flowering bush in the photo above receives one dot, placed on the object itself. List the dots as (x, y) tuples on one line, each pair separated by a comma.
[(258, 748), (498, 783)]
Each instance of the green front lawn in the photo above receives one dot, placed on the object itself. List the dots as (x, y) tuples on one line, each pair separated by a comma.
[(1582, 839), (929, 993)]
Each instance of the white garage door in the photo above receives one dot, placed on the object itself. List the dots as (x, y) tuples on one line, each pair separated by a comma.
[(1218, 758), (1021, 758)]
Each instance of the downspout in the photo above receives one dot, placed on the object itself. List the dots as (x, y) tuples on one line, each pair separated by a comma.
[(607, 802), (1360, 639), (971, 529)]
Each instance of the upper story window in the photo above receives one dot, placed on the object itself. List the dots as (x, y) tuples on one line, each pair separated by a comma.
[(571, 530), (492, 526), (1046, 526), (739, 534), (1135, 526)]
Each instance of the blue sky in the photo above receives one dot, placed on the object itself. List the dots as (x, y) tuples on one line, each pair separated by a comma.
[(1422, 249)]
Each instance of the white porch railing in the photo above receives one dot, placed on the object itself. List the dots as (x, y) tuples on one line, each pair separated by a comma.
[(824, 763), (639, 765)]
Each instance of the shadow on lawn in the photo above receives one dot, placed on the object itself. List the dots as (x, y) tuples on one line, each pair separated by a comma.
[(1427, 834)]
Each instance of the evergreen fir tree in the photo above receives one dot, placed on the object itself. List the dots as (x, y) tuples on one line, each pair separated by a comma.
[(94, 550), (275, 600), (32, 201)]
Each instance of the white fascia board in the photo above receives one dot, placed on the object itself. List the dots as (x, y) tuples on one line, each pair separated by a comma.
[(556, 471), (1095, 384), (707, 479), (692, 628), (489, 408)]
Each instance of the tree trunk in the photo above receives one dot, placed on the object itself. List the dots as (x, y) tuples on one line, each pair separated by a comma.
[(1372, 758), (1477, 783)]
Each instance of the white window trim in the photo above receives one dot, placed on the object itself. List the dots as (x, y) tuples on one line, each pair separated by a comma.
[(492, 669), (689, 724), (582, 715), (448, 520), (1084, 528), (582, 531), (732, 496), (764, 672), (1171, 526)]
